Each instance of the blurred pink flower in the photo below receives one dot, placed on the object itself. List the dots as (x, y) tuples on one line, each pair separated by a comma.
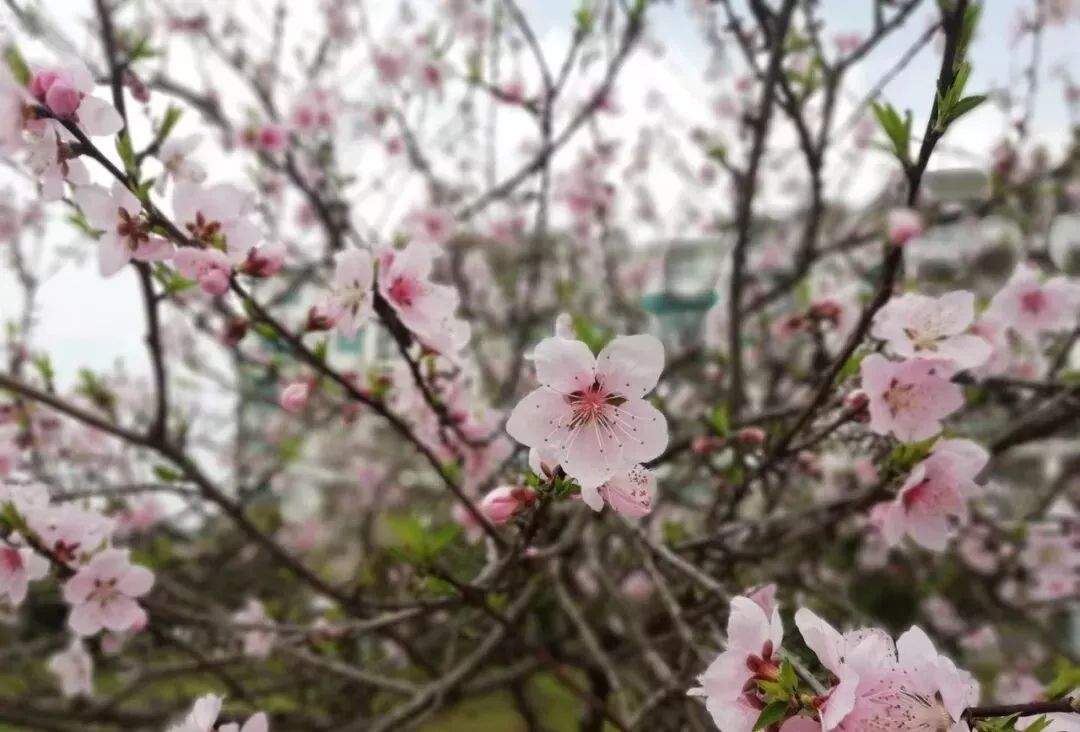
[(917, 326), (909, 398), (103, 593), (934, 497)]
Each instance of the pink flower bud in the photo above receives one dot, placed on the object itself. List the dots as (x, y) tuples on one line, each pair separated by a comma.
[(264, 261), (502, 503), (235, 330), (214, 282), (808, 463), (904, 225), (857, 401), (62, 99), (637, 585), (318, 320), (705, 444), (272, 138), (826, 309), (41, 82), (751, 436), (294, 397)]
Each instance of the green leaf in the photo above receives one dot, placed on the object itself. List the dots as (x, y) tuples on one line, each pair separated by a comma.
[(44, 367), (1066, 679), (124, 149), (720, 420), (788, 680), (167, 474), (906, 456), (967, 30), (850, 367), (172, 116), (1038, 725), (771, 714), (20, 71), (896, 128), (964, 106), (583, 20), (594, 336)]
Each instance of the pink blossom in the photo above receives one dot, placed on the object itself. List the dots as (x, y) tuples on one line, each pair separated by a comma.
[(449, 340), (74, 669), (25, 498), (216, 217), (751, 437), (934, 497), (103, 593), (272, 138), (1012, 687), (1052, 559), (391, 65), (51, 160), (314, 111), (425, 308), (847, 42), (753, 644), (431, 225), (258, 641), (18, 567), (139, 515), (465, 519), (430, 75), (1032, 306), (909, 398), (917, 326), (176, 159), (66, 92), (631, 493), (9, 450), (995, 332), (263, 261), (209, 267), (904, 224), (906, 686), (126, 235), (590, 412), (637, 585), (500, 504), (349, 305), (294, 397), (204, 714), (69, 532), (13, 103)]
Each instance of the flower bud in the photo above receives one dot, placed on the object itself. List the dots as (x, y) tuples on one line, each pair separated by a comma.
[(751, 437), (235, 330), (263, 261), (706, 444), (904, 224), (502, 503), (318, 320), (62, 99), (294, 397)]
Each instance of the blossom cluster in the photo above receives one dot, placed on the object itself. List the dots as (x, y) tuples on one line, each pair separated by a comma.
[(104, 586), (934, 340), (878, 683)]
